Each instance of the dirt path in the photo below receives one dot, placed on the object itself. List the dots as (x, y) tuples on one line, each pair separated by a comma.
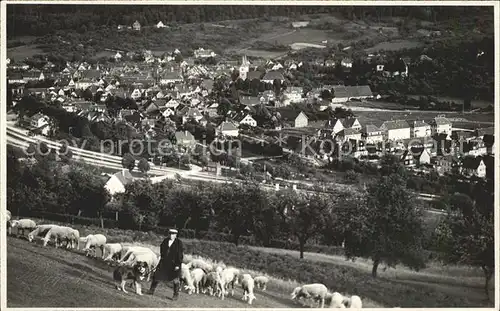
[(49, 277)]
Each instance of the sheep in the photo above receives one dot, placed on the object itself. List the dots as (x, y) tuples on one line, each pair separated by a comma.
[(186, 277), (354, 302), (261, 282), (316, 291), (129, 249), (112, 250), (197, 275), (22, 225), (212, 283), (94, 241), (200, 263), (8, 217), (73, 240), (40, 230), (248, 285), (229, 277), (335, 300), (60, 233)]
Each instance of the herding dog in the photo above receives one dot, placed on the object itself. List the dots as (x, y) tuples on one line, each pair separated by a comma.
[(135, 275)]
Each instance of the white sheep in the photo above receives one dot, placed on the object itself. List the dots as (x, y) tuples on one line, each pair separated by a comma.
[(129, 249), (185, 276), (229, 277), (200, 263), (354, 302), (335, 300), (315, 291), (8, 217), (213, 284), (59, 233), (112, 250), (248, 285), (197, 276), (261, 282), (40, 230), (73, 240), (94, 241), (22, 225)]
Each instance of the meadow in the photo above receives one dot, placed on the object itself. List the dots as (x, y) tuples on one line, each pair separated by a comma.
[(435, 286)]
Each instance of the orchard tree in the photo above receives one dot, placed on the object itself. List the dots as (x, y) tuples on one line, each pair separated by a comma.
[(466, 235), (143, 165), (384, 224), (303, 214), (128, 161)]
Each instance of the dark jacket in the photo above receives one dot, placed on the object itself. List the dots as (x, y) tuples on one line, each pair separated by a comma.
[(171, 257)]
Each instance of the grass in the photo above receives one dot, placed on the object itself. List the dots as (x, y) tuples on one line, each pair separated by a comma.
[(24, 51), (394, 46), (436, 286)]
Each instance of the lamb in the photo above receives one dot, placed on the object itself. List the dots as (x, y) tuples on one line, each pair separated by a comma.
[(229, 277), (316, 291), (94, 241), (197, 275), (261, 282), (335, 300), (354, 302), (248, 284), (112, 250), (22, 225), (40, 230), (59, 233), (186, 277)]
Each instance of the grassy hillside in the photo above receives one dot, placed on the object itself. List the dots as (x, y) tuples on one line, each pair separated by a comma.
[(435, 286)]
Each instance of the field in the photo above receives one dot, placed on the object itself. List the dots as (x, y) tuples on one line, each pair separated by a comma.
[(378, 112), (24, 51), (435, 286), (394, 45)]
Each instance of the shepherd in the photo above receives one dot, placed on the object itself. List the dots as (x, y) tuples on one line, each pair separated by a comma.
[(169, 267)]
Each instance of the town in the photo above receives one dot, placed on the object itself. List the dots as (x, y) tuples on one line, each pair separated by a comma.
[(301, 145)]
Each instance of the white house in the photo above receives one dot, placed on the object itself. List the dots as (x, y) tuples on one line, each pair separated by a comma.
[(441, 125), (272, 75), (245, 118), (424, 157), (117, 182), (228, 129), (39, 120), (118, 56), (346, 62), (396, 129), (136, 94), (202, 53), (301, 120), (160, 25), (420, 129), (293, 94)]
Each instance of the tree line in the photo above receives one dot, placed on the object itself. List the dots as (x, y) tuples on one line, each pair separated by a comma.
[(43, 19)]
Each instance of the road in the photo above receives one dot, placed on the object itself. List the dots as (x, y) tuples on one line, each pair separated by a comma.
[(56, 278)]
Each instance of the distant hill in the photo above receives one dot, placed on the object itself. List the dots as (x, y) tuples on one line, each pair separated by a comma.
[(43, 19)]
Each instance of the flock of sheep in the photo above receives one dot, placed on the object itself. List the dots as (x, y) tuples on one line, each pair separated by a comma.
[(197, 275)]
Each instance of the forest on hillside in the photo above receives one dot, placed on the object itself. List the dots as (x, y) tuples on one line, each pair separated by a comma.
[(25, 19)]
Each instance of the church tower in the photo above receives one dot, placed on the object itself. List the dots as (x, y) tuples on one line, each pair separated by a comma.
[(244, 68)]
